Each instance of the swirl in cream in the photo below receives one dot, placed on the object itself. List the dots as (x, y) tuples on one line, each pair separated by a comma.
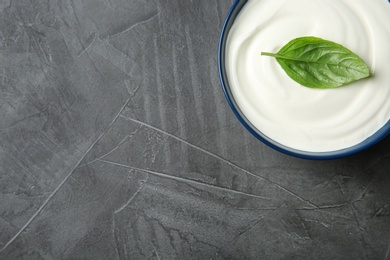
[(314, 120)]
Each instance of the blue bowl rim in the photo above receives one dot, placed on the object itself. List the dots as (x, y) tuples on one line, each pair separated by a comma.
[(370, 141)]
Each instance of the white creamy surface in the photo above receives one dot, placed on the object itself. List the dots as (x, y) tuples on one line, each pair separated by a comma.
[(307, 119)]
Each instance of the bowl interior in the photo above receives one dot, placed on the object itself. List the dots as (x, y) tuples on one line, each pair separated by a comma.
[(380, 134)]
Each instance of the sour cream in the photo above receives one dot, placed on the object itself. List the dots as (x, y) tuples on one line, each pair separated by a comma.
[(314, 120)]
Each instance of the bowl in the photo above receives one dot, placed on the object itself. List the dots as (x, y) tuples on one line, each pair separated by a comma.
[(376, 137)]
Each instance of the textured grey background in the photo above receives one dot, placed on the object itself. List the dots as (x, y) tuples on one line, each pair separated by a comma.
[(116, 142)]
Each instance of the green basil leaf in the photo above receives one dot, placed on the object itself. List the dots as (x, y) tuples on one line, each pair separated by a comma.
[(318, 63)]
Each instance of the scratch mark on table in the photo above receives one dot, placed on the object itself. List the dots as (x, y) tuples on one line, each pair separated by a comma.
[(124, 140), (181, 179), (132, 26), (224, 160), (387, 256), (132, 197), (249, 228), (63, 181), (90, 41)]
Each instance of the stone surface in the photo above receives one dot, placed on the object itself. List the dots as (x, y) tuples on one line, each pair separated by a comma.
[(116, 142)]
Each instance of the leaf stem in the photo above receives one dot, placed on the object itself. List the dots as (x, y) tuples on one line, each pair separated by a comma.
[(269, 54), (278, 56)]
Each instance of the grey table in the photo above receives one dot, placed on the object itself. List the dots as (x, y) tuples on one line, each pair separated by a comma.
[(116, 142)]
